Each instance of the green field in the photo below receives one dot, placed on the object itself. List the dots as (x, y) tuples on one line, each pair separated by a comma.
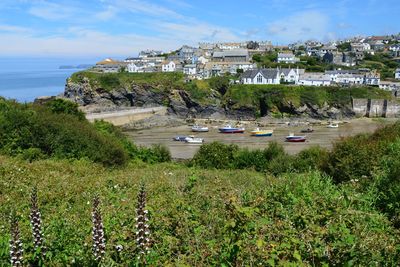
[(226, 207)]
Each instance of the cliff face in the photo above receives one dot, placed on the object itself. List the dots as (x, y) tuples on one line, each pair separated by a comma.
[(93, 98)]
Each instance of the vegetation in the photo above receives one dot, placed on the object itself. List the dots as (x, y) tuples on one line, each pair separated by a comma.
[(273, 97), (196, 216), (58, 130)]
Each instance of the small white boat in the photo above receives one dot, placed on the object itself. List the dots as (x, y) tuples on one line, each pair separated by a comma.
[(333, 125), (198, 128), (194, 140)]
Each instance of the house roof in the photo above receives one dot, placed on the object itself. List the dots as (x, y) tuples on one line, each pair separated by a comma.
[(285, 55), (267, 73), (231, 53), (314, 76), (107, 61), (397, 70)]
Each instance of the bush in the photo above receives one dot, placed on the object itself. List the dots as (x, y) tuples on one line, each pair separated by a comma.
[(155, 154), (312, 158), (360, 156), (215, 155), (62, 106), (26, 130)]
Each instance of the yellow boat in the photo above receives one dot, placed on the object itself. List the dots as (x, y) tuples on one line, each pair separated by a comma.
[(259, 132)]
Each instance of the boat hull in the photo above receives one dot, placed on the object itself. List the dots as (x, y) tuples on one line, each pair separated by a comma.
[(232, 130), (261, 134), (199, 129), (295, 140)]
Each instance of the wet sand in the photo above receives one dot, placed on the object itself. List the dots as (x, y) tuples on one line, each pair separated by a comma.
[(321, 136)]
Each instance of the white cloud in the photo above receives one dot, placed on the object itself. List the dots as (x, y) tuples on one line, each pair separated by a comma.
[(82, 43), (13, 29), (300, 26), (143, 7), (52, 11), (107, 14), (194, 32)]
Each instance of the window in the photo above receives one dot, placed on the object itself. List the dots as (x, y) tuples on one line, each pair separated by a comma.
[(259, 78)]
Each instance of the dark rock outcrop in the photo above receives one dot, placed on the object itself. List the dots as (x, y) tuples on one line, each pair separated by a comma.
[(92, 98)]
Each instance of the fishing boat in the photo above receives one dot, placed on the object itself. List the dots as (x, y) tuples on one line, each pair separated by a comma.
[(194, 140), (198, 128), (180, 138), (259, 132), (308, 130), (295, 138), (333, 125), (230, 129)]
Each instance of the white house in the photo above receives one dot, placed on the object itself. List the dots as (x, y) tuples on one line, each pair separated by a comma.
[(189, 69), (132, 67), (261, 76), (346, 76), (170, 66), (271, 76), (372, 78), (202, 60), (290, 75), (389, 85), (314, 79), (397, 74), (287, 58)]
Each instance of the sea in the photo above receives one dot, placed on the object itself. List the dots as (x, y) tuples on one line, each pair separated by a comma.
[(25, 79)]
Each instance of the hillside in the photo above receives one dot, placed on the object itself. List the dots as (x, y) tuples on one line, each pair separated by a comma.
[(215, 97), (197, 217)]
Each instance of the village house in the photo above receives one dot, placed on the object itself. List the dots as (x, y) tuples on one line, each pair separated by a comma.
[(372, 78), (231, 46), (395, 50), (186, 52), (360, 47), (261, 76), (314, 79), (190, 69), (397, 74), (171, 66), (271, 76), (109, 66), (237, 55), (213, 68), (149, 53), (389, 86), (288, 58)]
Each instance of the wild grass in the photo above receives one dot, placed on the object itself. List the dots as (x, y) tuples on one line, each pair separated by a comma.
[(197, 217)]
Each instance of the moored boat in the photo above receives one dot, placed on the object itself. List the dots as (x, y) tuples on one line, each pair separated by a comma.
[(180, 138), (194, 140), (230, 129), (198, 128), (259, 132), (308, 130), (295, 138), (333, 125)]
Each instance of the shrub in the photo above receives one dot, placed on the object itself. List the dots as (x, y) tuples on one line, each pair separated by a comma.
[(312, 158), (65, 107), (215, 155), (36, 132)]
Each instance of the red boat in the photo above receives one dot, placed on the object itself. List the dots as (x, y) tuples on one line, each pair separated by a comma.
[(295, 138)]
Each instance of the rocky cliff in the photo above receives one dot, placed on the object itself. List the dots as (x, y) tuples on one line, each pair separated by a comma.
[(93, 97)]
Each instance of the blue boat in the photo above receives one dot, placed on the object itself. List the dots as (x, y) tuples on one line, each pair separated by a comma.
[(230, 129)]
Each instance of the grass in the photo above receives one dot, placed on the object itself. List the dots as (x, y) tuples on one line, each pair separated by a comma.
[(197, 217), (249, 95)]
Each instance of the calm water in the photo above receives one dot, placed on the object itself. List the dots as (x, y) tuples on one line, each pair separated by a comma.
[(24, 79), (322, 136)]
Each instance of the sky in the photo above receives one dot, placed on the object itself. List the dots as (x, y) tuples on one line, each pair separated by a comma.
[(122, 28)]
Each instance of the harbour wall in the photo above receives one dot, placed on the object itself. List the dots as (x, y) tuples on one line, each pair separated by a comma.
[(363, 107)]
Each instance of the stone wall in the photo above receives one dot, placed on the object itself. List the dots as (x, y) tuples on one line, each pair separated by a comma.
[(363, 107)]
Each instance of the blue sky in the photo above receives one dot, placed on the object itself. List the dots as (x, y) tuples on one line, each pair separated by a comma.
[(123, 27)]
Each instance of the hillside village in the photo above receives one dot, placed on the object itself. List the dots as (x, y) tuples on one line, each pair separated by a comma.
[(373, 61)]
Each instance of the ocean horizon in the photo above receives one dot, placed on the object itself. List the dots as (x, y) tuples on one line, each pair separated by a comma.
[(25, 79)]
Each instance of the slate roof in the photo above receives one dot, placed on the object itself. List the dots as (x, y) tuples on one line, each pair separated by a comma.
[(267, 73), (231, 53)]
